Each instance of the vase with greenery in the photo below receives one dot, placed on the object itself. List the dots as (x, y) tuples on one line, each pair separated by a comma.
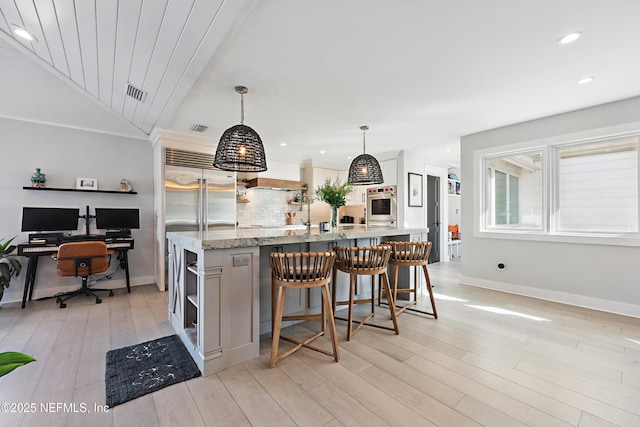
[(9, 265), (335, 195)]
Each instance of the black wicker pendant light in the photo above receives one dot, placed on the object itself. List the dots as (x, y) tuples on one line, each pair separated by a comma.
[(240, 148), (365, 169)]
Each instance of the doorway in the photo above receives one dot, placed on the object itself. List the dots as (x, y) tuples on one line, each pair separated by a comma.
[(433, 216)]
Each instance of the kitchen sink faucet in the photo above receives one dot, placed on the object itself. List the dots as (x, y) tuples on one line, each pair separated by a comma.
[(308, 201)]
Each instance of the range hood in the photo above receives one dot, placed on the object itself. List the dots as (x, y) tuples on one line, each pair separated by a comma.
[(281, 184)]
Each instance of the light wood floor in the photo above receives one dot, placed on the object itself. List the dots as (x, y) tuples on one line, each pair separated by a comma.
[(561, 366)]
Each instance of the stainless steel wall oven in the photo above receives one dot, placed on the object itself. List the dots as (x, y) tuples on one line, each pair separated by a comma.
[(382, 205)]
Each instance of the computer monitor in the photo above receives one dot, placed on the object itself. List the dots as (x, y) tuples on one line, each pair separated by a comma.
[(49, 219), (117, 218)]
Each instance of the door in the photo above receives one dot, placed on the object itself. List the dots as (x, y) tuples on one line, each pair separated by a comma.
[(182, 198), (219, 199), (433, 216)]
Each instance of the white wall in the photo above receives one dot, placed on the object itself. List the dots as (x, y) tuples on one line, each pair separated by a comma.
[(591, 275), (64, 154)]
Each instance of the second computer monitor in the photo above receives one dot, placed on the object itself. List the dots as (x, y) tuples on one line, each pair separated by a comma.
[(117, 218)]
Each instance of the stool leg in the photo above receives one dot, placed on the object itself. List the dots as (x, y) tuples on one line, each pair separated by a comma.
[(333, 287), (332, 322), (392, 302), (429, 288), (273, 304), (395, 285), (373, 300), (352, 290), (323, 311), (278, 324)]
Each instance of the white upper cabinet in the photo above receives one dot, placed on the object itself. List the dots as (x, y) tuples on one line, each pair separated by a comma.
[(315, 177), (389, 171)]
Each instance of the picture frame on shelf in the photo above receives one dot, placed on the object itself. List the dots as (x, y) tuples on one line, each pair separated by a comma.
[(415, 190), (86, 184)]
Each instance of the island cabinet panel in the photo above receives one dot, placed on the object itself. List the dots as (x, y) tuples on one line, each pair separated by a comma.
[(213, 303)]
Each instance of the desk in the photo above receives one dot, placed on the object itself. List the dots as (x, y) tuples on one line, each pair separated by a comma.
[(34, 251)]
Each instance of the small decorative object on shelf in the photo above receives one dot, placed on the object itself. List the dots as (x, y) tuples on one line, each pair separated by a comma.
[(38, 179), (125, 186), (86, 184)]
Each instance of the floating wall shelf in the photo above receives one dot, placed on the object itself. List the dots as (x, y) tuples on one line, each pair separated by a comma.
[(81, 191)]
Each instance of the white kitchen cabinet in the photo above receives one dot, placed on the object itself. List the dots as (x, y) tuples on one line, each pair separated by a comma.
[(213, 302), (315, 176), (389, 171)]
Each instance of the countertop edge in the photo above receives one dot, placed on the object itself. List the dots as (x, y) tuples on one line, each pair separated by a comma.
[(235, 239)]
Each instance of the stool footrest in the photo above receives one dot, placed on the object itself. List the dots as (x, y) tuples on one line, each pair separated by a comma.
[(302, 317), (406, 307), (356, 301), (305, 344)]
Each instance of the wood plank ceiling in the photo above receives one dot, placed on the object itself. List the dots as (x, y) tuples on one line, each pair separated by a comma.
[(157, 47)]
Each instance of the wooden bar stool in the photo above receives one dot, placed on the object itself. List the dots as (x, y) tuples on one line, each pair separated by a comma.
[(301, 270), (407, 254), (368, 261)]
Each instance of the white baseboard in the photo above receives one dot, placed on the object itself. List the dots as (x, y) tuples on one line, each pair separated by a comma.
[(104, 284), (608, 306)]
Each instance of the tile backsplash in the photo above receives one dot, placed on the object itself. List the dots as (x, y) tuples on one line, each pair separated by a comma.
[(268, 208)]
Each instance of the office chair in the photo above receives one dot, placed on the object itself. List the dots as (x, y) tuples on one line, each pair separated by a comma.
[(82, 259)]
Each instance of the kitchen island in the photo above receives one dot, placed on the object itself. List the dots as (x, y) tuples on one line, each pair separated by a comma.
[(220, 284)]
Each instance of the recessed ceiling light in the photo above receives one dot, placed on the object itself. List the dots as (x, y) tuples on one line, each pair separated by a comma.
[(283, 144), (586, 80), (349, 157), (21, 32), (569, 38), (321, 151), (448, 150)]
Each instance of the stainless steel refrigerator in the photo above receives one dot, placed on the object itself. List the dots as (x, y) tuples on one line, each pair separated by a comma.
[(199, 199)]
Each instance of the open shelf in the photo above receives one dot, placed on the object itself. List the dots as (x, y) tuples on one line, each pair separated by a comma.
[(193, 299), (79, 190)]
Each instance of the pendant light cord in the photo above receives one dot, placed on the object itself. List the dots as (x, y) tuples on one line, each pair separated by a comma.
[(241, 109), (364, 145)]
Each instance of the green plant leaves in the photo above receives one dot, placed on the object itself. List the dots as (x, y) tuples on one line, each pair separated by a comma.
[(9, 266), (10, 360), (334, 193)]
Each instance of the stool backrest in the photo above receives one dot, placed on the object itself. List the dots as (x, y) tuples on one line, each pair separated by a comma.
[(301, 266), (363, 257), (410, 251)]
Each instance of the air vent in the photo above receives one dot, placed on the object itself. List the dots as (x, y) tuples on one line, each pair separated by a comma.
[(135, 93), (189, 159), (198, 128)]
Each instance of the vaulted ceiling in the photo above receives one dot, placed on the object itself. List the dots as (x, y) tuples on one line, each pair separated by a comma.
[(420, 73)]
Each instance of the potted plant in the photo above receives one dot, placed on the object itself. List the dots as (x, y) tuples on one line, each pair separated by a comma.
[(335, 195), (9, 265)]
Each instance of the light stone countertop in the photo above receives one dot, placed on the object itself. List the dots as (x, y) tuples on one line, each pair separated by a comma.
[(243, 238)]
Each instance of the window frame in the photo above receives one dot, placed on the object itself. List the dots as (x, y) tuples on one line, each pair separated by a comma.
[(555, 186), (487, 209), (549, 147)]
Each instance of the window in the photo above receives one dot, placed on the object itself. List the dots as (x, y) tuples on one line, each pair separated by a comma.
[(597, 186), (580, 191), (513, 195)]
